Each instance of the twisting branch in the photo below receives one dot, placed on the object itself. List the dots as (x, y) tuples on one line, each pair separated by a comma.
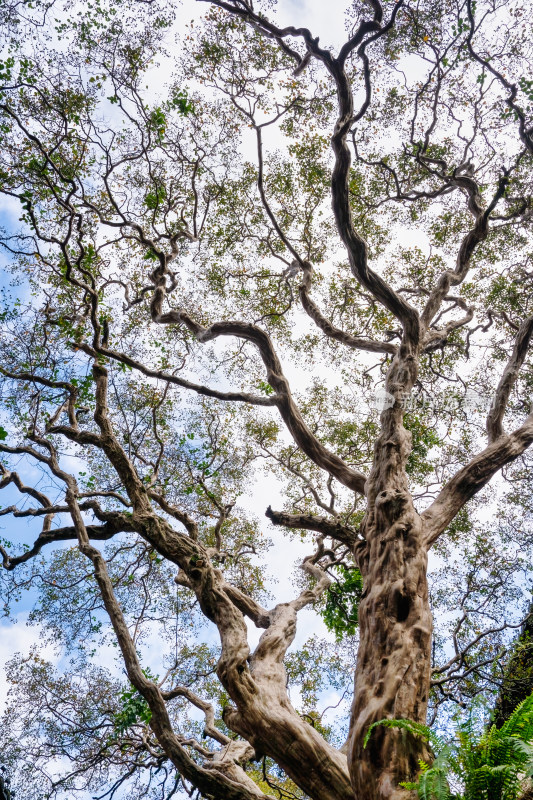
[(209, 712), (245, 11), (224, 779), (186, 520), (473, 477), (354, 342), (13, 477), (65, 534), (313, 568), (218, 783), (324, 525), (283, 399), (435, 337), (508, 379), (168, 377), (468, 245), (267, 660), (354, 243)]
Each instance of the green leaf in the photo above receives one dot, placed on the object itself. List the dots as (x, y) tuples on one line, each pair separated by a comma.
[(341, 612)]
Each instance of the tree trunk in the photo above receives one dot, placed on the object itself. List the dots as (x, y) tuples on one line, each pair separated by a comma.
[(392, 676), (394, 659)]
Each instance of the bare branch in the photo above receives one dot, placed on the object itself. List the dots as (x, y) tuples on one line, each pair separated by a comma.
[(205, 391), (216, 783), (354, 342), (468, 245), (283, 399), (66, 534), (13, 477), (210, 727)]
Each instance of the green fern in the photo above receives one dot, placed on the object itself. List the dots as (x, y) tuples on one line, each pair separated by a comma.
[(416, 728), (490, 765), (432, 781)]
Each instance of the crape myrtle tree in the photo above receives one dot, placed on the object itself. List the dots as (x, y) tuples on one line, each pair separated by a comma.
[(245, 253)]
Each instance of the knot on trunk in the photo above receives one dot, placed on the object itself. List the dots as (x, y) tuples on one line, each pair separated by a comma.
[(232, 719), (391, 504), (400, 603)]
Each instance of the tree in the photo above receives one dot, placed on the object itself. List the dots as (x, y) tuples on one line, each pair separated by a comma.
[(517, 683), (5, 794), (376, 248)]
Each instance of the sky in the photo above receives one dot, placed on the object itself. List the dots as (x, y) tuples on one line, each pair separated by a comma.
[(324, 19)]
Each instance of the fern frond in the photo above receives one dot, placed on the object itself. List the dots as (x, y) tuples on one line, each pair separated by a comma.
[(491, 764), (433, 785), (416, 728), (520, 723)]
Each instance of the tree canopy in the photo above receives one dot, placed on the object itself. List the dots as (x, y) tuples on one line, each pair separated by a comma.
[(270, 299)]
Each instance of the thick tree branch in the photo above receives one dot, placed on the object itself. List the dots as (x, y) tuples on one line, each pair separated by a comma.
[(210, 782), (205, 391), (473, 477), (283, 399), (209, 712), (312, 566), (468, 245), (324, 525), (13, 477), (66, 534), (435, 338), (508, 380), (354, 342), (186, 520), (354, 243)]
